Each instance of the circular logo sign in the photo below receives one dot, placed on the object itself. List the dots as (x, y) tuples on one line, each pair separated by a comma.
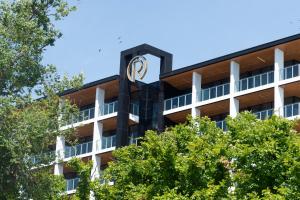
[(137, 67)]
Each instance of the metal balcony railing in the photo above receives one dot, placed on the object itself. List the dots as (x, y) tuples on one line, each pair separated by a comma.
[(78, 149), (71, 184), (264, 114), (178, 101), (37, 159), (213, 92), (109, 108), (82, 116), (290, 72), (134, 109), (222, 125), (106, 142), (291, 110), (255, 81)]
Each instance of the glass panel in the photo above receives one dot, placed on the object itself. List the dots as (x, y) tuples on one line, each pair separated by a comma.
[(212, 92), (264, 78), (73, 151), (295, 70), (243, 84), (219, 91), (181, 100), (205, 95), (168, 104), (104, 145), (83, 148), (295, 109), (109, 142), (188, 99), (271, 77), (257, 81), (226, 89), (111, 108), (78, 149), (250, 83), (90, 147), (174, 103), (289, 72), (105, 109)]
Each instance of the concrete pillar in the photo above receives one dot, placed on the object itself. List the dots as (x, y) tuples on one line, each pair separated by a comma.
[(97, 133), (59, 152), (95, 173), (234, 80), (196, 90), (60, 147), (99, 101), (278, 91)]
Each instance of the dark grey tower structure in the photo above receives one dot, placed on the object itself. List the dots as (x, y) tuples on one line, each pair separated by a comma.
[(150, 96)]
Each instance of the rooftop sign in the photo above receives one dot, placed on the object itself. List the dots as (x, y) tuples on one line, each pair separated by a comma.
[(137, 66)]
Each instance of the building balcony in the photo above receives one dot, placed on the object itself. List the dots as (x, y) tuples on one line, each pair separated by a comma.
[(213, 92), (178, 101), (83, 115), (38, 159), (264, 114), (71, 185), (221, 124), (110, 110), (290, 72), (292, 110), (79, 149), (255, 81), (108, 143)]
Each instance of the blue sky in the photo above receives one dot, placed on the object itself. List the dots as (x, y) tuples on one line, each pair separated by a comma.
[(192, 30)]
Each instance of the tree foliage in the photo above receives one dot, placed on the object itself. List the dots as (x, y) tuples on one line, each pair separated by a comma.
[(29, 125), (254, 159)]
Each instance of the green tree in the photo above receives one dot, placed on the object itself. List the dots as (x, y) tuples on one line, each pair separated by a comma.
[(84, 173), (29, 126), (254, 159)]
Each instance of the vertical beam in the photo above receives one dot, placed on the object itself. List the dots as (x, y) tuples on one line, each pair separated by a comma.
[(59, 154), (234, 80), (60, 147), (99, 101), (97, 133), (123, 102), (196, 90), (278, 91), (161, 107)]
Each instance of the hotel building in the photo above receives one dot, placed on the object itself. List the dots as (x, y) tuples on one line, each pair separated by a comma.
[(115, 111)]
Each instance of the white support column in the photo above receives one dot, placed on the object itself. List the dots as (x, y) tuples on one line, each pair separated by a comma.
[(60, 147), (97, 133), (234, 80), (59, 152), (278, 91), (196, 90)]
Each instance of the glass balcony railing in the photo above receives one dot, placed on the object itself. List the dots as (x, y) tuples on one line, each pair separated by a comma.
[(255, 81), (178, 101), (109, 108), (290, 72), (291, 110), (78, 149), (213, 92), (134, 109), (264, 114), (222, 125), (71, 184), (107, 142), (82, 116), (37, 159)]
